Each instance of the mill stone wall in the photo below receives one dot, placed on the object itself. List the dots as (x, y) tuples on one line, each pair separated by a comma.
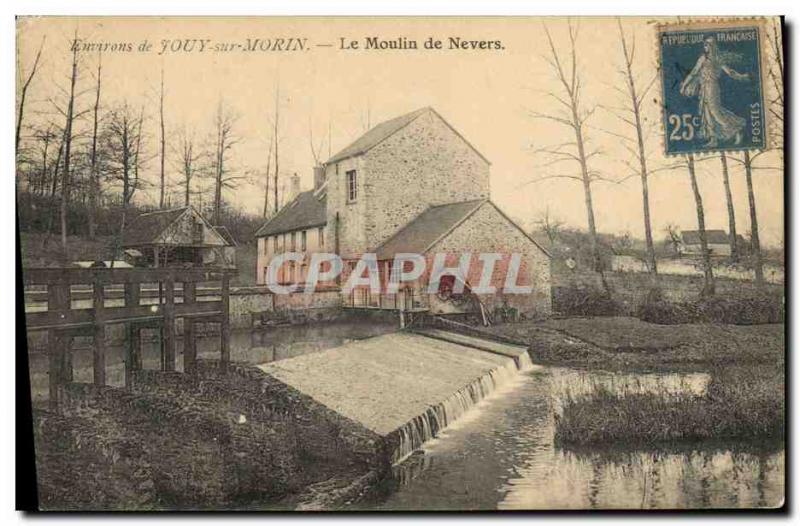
[(487, 230), (426, 163)]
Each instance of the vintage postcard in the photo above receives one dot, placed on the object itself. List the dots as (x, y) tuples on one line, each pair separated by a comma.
[(402, 263)]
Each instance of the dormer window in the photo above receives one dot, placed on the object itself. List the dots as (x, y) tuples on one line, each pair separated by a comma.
[(352, 186)]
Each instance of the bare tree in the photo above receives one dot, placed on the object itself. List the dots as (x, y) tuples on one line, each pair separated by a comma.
[(673, 237), (276, 139), (755, 242), (731, 212), (316, 148), (708, 273), (122, 139), (24, 92), (573, 116), (267, 176), (45, 137), (66, 175), (775, 72), (632, 116), (189, 163), (163, 143), (549, 225), (94, 182), (225, 140)]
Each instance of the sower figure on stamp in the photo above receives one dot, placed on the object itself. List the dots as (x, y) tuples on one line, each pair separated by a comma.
[(717, 122)]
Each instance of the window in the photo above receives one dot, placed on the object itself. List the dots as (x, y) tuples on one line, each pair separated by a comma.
[(275, 244), (303, 240), (321, 236), (294, 246), (352, 186), (197, 232)]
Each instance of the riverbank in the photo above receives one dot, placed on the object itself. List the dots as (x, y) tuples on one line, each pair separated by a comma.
[(744, 400), (629, 343), (235, 440)]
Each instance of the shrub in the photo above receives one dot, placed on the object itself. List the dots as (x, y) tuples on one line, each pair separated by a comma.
[(584, 301), (750, 308), (744, 403)]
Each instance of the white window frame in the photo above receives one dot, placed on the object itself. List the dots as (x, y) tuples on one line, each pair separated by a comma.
[(351, 178)]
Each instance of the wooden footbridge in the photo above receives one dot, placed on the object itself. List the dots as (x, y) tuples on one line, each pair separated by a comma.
[(62, 322)]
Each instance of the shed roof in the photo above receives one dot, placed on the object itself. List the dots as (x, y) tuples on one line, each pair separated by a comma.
[(225, 234), (425, 229), (717, 237), (305, 211), (147, 227)]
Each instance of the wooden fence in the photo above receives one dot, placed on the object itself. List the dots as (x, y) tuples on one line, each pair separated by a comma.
[(62, 322)]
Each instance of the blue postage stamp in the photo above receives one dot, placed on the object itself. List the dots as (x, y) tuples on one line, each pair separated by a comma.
[(712, 88)]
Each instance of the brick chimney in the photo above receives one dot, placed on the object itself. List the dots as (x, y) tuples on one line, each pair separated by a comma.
[(319, 176), (294, 187)]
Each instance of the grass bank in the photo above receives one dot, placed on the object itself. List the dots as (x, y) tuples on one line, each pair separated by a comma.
[(742, 403), (629, 343), (744, 400)]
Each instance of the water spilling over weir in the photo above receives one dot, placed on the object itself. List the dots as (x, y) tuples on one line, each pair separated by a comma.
[(405, 387), (427, 426)]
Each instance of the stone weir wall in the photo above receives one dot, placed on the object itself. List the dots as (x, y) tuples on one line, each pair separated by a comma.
[(240, 440)]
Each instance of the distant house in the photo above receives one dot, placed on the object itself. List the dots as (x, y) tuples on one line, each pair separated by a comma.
[(718, 243), (179, 237), (297, 227)]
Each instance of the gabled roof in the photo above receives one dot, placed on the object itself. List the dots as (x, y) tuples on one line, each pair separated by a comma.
[(424, 230), (386, 129), (305, 211), (717, 237), (225, 234), (376, 135), (147, 227)]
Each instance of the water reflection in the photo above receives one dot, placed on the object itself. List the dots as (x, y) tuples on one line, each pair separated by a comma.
[(252, 346), (504, 459)]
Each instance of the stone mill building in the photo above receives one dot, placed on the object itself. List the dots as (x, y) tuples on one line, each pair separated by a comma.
[(412, 184)]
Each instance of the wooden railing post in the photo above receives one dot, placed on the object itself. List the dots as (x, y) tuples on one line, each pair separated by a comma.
[(132, 341), (58, 300), (189, 344), (225, 332), (168, 327), (99, 347)]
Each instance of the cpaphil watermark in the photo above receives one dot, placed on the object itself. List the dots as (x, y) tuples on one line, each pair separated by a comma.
[(483, 273)]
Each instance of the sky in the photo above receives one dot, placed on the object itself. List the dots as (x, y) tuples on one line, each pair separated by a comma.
[(488, 95)]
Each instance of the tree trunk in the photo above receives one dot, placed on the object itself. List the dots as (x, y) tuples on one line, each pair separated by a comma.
[(266, 182), (275, 138), (709, 286), (587, 194), (731, 212), (22, 96), (94, 186), (163, 149), (754, 240), (65, 179)]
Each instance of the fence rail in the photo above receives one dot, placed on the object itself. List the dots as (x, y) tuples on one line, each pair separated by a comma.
[(62, 322)]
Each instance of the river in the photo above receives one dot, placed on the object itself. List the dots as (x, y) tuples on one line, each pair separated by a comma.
[(501, 456)]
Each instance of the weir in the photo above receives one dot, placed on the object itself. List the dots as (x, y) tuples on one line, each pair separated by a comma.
[(406, 387)]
